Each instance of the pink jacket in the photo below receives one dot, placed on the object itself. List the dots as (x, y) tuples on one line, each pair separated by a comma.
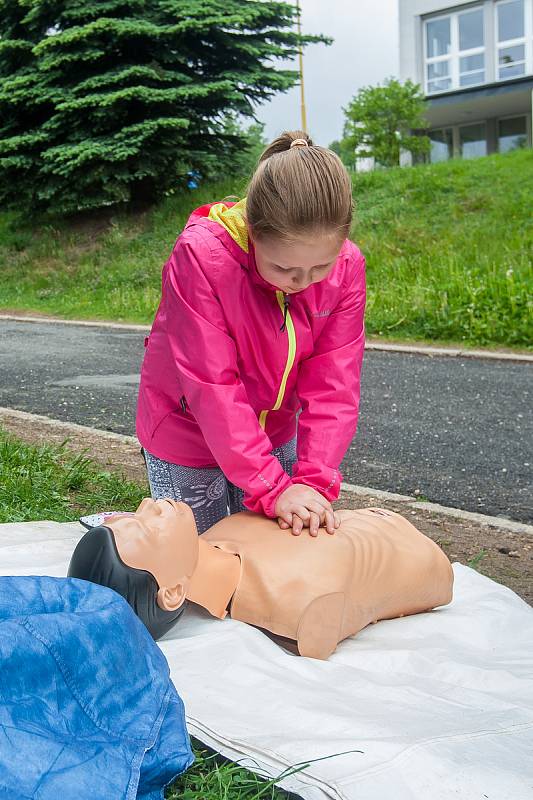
[(223, 377)]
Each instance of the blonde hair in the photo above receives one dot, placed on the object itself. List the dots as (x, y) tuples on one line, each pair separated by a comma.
[(298, 188)]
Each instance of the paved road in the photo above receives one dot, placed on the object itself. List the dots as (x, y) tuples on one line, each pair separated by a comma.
[(455, 431)]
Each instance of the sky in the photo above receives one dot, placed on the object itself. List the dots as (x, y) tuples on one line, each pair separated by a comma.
[(364, 52)]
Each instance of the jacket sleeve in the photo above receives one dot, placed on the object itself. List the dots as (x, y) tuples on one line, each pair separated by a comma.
[(328, 389), (206, 359)]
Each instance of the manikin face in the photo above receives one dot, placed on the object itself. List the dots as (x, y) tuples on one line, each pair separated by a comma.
[(293, 266), (161, 538)]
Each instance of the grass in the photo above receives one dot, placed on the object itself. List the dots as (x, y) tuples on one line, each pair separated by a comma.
[(102, 267), (449, 251), (49, 482), (215, 778), (473, 563)]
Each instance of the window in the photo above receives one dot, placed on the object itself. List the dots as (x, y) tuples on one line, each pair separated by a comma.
[(455, 45), (473, 140), (512, 134), (441, 145), (438, 39), (511, 39), (471, 47), (455, 50)]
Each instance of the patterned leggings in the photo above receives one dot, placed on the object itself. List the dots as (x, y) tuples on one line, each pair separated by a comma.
[(205, 489)]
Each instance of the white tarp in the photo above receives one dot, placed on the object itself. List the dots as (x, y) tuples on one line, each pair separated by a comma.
[(440, 704)]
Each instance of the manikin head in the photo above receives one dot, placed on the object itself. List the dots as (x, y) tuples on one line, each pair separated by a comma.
[(148, 559), (299, 211)]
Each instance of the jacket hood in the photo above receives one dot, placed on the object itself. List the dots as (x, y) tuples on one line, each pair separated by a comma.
[(227, 220)]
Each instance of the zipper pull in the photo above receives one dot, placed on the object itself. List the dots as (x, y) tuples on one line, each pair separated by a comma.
[(286, 302)]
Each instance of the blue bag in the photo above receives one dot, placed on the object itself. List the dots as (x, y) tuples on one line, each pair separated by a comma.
[(87, 707)]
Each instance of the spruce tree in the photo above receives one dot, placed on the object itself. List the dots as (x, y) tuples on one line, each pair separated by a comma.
[(105, 102)]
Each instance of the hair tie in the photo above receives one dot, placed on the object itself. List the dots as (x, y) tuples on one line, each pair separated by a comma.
[(299, 143)]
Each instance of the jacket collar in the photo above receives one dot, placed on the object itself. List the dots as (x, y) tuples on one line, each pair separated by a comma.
[(227, 221)]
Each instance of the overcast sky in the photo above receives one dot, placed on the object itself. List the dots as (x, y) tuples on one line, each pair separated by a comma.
[(364, 52)]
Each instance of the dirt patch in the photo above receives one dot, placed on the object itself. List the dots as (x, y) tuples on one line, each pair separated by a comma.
[(85, 229), (505, 556)]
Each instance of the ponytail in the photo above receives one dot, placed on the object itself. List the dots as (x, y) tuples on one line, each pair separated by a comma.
[(299, 188)]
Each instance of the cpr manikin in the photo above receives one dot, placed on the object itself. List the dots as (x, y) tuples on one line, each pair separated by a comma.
[(314, 591)]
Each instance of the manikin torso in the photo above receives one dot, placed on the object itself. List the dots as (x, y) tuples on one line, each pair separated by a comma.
[(317, 591)]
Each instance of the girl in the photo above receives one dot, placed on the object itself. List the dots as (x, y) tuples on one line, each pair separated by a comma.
[(261, 316)]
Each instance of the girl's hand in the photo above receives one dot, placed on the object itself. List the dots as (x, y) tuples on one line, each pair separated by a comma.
[(301, 506), (300, 525)]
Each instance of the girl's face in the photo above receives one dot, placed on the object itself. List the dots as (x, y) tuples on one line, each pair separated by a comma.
[(295, 265)]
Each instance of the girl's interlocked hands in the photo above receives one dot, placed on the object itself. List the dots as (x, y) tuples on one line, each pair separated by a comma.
[(300, 507)]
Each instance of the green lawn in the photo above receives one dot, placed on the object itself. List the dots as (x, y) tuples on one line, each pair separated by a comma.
[(48, 482), (449, 251)]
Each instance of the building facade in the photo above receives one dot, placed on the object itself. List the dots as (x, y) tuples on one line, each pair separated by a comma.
[(474, 61)]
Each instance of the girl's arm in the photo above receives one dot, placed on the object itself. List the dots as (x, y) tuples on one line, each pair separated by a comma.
[(328, 388), (206, 361)]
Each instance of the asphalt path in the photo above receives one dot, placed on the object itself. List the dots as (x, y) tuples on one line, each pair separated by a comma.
[(450, 430)]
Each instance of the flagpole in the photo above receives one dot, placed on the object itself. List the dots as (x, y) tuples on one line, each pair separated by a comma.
[(301, 62)]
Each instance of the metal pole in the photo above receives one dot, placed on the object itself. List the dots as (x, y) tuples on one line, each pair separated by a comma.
[(301, 61)]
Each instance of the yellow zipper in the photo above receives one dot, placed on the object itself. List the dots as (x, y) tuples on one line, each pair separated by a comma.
[(291, 355)]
